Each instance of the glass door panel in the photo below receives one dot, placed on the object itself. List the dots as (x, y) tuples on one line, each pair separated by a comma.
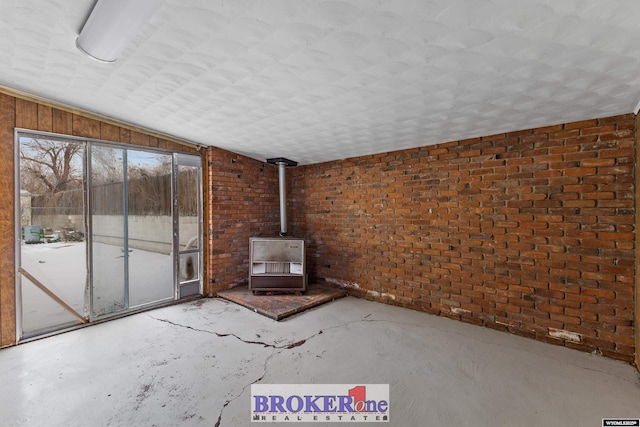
[(52, 234), (108, 230), (189, 208), (188, 221), (150, 227)]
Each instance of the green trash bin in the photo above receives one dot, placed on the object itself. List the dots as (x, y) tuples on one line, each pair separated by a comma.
[(32, 233)]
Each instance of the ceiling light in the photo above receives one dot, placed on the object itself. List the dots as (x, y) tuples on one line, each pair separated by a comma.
[(112, 25)]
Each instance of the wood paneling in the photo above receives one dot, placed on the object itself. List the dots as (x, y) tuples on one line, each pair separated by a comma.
[(88, 128), (70, 112), (7, 226), (109, 132), (125, 136), (62, 122), (26, 114), (173, 146), (45, 118), (141, 139)]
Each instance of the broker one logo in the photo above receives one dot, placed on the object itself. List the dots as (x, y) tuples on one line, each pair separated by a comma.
[(319, 402)]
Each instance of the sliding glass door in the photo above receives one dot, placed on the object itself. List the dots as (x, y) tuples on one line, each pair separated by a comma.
[(131, 228), (105, 229)]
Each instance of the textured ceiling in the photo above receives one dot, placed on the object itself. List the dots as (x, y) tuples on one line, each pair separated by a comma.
[(322, 80)]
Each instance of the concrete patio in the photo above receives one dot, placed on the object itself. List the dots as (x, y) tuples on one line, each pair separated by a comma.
[(192, 365)]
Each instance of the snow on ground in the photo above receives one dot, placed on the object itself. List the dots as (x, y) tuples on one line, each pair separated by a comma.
[(62, 268)]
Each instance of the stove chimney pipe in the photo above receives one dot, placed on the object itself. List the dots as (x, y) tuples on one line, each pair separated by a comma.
[(282, 164), (282, 186)]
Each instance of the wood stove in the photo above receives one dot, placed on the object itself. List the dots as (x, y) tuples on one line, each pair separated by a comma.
[(278, 263)]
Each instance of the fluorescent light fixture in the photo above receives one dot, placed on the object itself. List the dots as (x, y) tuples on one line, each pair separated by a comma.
[(112, 25)]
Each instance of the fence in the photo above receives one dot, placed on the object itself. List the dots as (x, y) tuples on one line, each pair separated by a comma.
[(149, 196)]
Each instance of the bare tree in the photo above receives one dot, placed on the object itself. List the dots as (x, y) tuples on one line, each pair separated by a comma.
[(106, 165), (49, 166)]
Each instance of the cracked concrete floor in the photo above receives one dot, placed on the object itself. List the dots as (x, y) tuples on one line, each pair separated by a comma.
[(193, 364)]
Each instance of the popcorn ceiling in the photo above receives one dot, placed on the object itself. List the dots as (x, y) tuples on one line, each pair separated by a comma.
[(324, 80)]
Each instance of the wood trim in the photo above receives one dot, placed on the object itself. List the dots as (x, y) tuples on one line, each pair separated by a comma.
[(53, 296), (7, 222)]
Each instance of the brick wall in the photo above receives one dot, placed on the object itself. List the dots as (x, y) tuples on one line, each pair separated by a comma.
[(529, 232), (243, 203)]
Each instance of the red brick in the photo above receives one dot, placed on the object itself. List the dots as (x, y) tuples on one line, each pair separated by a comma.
[(597, 163), (529, 230), (598, 129), (581, 124)]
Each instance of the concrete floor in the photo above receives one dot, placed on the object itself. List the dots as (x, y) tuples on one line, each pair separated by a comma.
[(193, 364)]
